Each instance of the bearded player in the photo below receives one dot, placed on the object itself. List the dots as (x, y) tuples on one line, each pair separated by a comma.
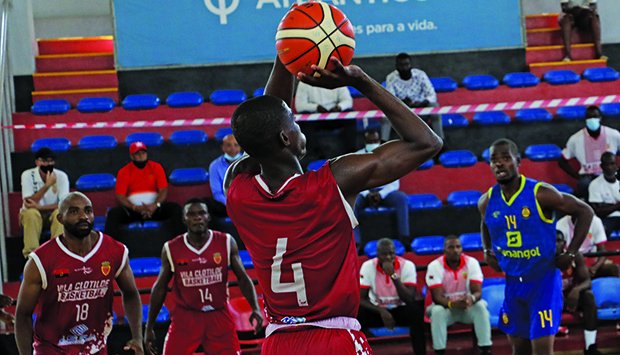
[(70, 279), (298, 227)]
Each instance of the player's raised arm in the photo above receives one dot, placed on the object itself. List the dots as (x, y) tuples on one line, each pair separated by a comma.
[(29, 292), (280, 83), (133, 308), (158, 296), (390, 161)]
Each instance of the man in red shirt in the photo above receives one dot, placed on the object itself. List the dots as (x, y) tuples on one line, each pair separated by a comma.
[(70, 281), (298, 227), (141, 191), (198, 262)]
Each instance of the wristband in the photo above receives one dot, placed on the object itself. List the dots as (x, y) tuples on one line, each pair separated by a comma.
[(394, 276), (488, 252)]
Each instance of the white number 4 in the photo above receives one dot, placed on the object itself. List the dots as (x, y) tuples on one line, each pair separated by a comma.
[(298, 285)]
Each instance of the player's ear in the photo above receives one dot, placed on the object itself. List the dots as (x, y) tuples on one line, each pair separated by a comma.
[(284, 139)]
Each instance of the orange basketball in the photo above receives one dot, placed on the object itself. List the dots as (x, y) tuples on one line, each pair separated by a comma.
[(311, 33)]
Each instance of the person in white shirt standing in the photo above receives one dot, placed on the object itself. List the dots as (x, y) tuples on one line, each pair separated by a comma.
[(587, 145), (455, 282), (415, 89), (313, 99), (387, 294), (43, 187)]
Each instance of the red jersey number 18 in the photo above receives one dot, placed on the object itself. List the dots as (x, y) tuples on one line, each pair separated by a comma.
[(298, 285)]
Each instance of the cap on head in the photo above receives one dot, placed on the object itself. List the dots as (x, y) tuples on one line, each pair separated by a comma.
[(136, 147), (45, 153)]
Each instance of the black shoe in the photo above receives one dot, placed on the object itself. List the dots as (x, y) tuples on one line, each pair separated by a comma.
[(592, 350), (485, 350)]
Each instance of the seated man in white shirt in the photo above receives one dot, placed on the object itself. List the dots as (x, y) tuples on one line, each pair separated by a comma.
[(595, 242), (387, 195), (313, 99), (604, 193), (455, 283), (387, 294)]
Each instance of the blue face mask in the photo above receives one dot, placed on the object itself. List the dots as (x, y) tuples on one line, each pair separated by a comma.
[(231, 158), (372, 146), (593, 123)]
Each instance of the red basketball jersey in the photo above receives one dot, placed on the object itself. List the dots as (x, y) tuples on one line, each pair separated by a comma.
[(200, 276), (75, 306), (301, 241)]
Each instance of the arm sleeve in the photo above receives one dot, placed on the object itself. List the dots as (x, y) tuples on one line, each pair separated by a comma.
[(366, 274), (302, 99), (216, 181), (409, 276), (434, 276), (389, 188), (475, 272), (344, 98), (27, 187), (428, 91), (160, 176)]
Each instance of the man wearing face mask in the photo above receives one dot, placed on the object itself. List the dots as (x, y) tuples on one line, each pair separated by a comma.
[(587, 146), (217, 170), (384, 196), (141, 191), (43, 187)]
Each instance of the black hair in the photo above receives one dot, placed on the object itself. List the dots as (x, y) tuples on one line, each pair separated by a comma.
[(450, 237), (257, 123), (371, 130), (45, 153), (592, 109), (402, 56), (385, 242), (608, 155), (512, 146)]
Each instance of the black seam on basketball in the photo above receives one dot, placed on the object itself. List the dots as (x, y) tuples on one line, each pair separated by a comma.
[(333, 44), (318, 24)]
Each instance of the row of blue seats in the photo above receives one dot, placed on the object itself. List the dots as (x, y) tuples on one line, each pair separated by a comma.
[(151, 139), (106, 181), (428, 245)]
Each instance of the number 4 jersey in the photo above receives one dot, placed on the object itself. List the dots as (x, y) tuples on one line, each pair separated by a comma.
[(301, 241), (75, 306)]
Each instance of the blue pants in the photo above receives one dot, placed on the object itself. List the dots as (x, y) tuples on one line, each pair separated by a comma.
[(396, 199)]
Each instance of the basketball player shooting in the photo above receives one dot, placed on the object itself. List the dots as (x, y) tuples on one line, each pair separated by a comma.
[(298, 227)]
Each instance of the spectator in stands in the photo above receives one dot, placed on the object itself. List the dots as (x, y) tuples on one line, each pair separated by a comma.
[(604, 193), (43, 187), (595, 242), (414, 88), (581, 14), (217, 170), (141, 191), (455, 283), (5, 317), (578, 296), (312, 99), (387, 294), (387, 195), (586, 146)]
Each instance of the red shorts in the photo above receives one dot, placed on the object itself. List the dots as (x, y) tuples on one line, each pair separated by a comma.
[(215, 330), (317, 341)]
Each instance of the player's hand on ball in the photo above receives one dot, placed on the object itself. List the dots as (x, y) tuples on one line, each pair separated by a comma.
[(135, 345), (350, 75), (256, 319)]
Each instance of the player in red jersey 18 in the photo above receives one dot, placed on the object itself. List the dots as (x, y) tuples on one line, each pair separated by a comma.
[(70, 279), (298, 227)]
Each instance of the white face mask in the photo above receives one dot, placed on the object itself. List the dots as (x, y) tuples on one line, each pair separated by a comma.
[(372, 146), (593, 123), (231, 158)]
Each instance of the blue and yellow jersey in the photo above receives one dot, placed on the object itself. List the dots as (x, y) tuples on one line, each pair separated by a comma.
[(523, 239)]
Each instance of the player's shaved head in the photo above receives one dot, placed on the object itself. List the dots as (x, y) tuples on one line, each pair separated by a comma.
[(385, 243), (66, 202), (192, 201), (512, 146)]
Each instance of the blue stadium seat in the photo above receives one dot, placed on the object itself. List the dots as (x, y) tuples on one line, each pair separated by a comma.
[(143, 225), (542, 152), (494, 296), (444, 84), (572, 112), (95, 182), (385, 332), (140, 102), (258, 92), (151, 139), (610, 110), (491, 118), (187, 137), (378, 210), (563, 188), (97, 142), (489, 281), (533, 115), (561, 77), (480, 82), (426, 165), (454, 120), (184, 99), (55, 144), (162, 317), (354, 92), (99, 223), (614, 235), (95, 104), (486, 155), (227, 97), (471, 241), (423, 202), (244, 255), (222, 132), (189, 176), (458, 158), (148, 266), (464, 198), (607, 295), (431, 244), (50, 107), (370, 249), (316, 165), (520, 80), (596, 75)]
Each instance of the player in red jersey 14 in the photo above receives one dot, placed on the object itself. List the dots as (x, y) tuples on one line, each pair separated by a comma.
[(69, 279), (298, 227)]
